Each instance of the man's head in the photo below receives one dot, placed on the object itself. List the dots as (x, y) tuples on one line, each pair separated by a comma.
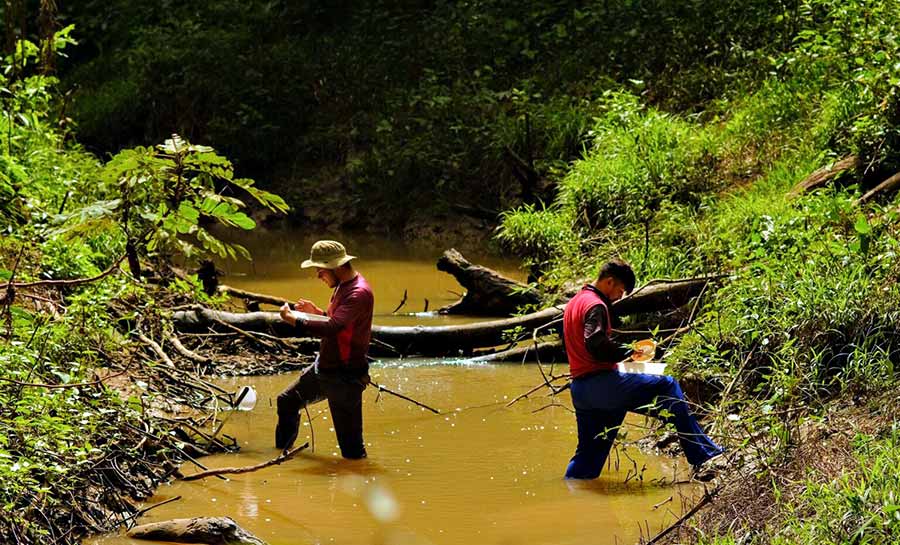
[(615, 279), (331, 261)]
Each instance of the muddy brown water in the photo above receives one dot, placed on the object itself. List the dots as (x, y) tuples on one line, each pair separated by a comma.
[(480, 472), (391, 268)]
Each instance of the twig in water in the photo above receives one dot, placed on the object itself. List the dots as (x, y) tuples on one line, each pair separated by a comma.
[(402, 302), (535, 389), (144, 511), (381, 388), (283, 457)]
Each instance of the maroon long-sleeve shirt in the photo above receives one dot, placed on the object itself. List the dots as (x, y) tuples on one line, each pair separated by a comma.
[(346, 334)]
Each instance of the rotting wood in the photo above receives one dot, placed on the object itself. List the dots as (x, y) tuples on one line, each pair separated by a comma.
[(825, 174), (211, 530), (488, 293)]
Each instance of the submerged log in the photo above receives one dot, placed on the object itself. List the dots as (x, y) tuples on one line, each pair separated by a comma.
[(488, 293), (211, 530), (825, 174), (444, 340), (544, 352)]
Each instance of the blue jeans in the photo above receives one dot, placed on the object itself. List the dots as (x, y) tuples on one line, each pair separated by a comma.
[(601, 402)]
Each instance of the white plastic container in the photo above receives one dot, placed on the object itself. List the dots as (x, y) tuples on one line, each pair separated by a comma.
[(248, 402)]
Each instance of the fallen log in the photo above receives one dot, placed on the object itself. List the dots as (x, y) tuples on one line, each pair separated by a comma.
[(488, 293), (211, 530), (825, 174), (403, 340), (444, 340)]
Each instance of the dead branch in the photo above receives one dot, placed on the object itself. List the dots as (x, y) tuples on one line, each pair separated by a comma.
[(521, 353), (251, 296), (402, 302), (157, 349), (65, 283), (707, 498), (381, 388), (283, 457), (63, 386), (888, 185), (183, 350), (545, 384)]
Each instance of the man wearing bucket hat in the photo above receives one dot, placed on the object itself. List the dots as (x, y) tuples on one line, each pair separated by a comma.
[(602, 394), (341, 371)]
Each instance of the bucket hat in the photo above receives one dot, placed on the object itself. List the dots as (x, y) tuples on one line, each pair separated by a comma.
[(327, 254)]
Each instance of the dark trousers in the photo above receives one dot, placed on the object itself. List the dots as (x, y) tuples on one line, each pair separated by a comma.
[(344, 394), (601, 402)]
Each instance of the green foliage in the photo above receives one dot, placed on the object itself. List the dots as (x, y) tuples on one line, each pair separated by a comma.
[(853, 47), (640, 159), (364, 100), (545, 236), (812, 299), (157, 196)]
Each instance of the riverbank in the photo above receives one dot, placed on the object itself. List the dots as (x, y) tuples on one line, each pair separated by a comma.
[(835, 479)]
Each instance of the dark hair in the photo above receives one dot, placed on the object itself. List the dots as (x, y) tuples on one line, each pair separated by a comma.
[(620, 270)]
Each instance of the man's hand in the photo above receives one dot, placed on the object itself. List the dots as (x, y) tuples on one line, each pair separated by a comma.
[(308, 307), (287, 314)]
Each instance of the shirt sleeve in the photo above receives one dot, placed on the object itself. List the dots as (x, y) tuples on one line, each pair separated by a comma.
[(355, 305), (597, 341)]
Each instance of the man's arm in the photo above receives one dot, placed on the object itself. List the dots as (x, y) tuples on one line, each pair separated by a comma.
[(597, 341), (356, 304)]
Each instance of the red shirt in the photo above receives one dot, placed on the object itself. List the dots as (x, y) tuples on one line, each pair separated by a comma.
[(581, 361), (346, 334)]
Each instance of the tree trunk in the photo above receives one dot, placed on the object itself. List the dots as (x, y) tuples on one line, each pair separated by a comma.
[(134, 264), (488, 293), (211, 530), (387, 340)]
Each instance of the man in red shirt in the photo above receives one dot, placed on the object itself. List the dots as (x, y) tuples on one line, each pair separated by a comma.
[(341, 371), (601, 394)]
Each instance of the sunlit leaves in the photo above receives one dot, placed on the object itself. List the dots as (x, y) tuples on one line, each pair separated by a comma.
[(160, 197)]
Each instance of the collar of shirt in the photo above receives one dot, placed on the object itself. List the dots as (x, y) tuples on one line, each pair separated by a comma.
[(603, 296)]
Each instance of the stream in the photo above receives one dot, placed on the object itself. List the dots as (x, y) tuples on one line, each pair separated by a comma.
[(480, 472)]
